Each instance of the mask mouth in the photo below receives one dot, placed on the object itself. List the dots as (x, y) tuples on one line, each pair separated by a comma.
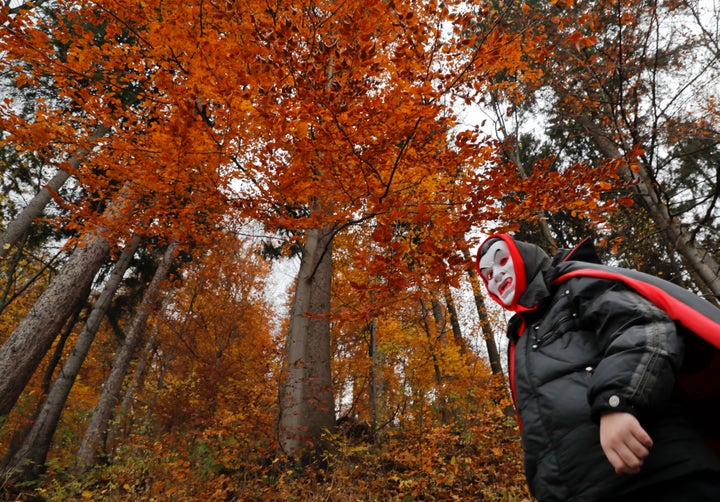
[(505, 285)]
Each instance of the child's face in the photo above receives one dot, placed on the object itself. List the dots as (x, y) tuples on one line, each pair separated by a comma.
[(496, 266)]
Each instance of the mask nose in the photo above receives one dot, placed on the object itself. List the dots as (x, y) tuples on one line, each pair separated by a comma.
[(498, 275)]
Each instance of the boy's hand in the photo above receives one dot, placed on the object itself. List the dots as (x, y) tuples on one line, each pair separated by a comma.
[(624, 441)]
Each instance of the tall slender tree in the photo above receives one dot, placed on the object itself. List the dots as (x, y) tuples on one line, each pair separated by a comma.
[(93, 443)]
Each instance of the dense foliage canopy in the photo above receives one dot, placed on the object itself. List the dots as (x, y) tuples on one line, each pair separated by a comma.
[(237, 237)]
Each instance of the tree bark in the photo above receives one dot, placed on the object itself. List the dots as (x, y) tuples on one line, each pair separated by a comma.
[(20, 225), (33, 337), (93, 441), (56, 358), (440, 377), (307, 408), (454, 320), (28, 461)]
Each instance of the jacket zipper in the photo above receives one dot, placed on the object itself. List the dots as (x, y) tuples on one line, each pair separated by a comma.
[(511, 372), (537, 342)]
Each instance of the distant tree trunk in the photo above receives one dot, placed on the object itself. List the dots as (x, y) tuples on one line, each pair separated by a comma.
[(512, 150), (440, 377), (9, 272), (168, 357), (20, 225), (307, 408), (488, 335), (10, 286), (33, 337), (94, 439), (454, 320), (28, 461), (374, 379), (124, 421)]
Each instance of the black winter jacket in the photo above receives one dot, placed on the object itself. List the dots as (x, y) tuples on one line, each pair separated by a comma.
[(578, 349)]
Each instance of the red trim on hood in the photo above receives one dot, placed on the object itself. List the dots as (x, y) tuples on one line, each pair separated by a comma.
[(675, 309)]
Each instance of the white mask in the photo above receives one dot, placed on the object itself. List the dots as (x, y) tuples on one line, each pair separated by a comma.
[(496, 267)]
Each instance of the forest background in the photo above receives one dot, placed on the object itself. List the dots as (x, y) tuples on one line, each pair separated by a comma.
[(164, 162)]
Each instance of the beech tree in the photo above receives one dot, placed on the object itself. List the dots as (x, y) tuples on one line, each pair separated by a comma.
[(355, 131), (131, 185)]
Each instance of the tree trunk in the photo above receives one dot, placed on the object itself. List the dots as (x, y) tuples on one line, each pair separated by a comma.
[(123, 423), (33, 337), (10, 271), (700, 262), (20, 225), (94, 439), (440, 377), (57, 355), (454, 320), (374, 379), (307, 408), (488, 335), (30, 458)]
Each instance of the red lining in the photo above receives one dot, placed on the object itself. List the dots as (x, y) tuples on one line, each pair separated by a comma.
[(675, 309), (569, 255)]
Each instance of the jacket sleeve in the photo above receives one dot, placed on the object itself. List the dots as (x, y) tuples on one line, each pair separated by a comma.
[(640, 348)]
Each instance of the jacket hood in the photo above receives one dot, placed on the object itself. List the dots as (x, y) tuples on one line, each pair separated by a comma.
[(530, 263), (585, 252)]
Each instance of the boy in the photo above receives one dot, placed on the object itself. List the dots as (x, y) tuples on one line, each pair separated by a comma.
[(593, 362)]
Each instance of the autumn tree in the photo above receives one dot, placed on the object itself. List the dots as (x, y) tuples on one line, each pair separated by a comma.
[(354, 127), (211, 375), (627, 79), (30, 457), (132, 184)]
